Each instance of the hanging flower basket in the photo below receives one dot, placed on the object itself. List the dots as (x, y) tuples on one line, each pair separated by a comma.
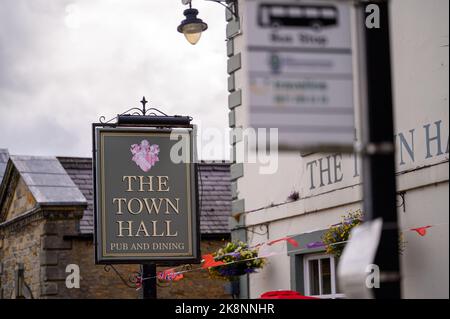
[(336, 236), (238, 260)]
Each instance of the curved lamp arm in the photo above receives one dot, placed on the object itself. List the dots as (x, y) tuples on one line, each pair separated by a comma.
[(222, 3)]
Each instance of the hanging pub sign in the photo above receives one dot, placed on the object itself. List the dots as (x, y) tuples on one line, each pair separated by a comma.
[(145, 195)]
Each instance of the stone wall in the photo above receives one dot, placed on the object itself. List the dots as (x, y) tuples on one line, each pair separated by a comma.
[(47, 245), (22, 200), (196, 284), (58, 251), (21, 246), (41, 247), (45, 240), (97, 283)]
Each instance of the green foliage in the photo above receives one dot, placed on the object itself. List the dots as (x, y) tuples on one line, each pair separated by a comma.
[(242, 258), (339, 233), (401, 243)]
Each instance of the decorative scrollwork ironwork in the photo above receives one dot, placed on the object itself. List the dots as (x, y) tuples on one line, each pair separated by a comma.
[(135, 111), (264, 230), (132, 281), (401, 201)]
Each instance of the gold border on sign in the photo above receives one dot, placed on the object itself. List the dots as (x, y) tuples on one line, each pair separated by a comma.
[(102, 189)]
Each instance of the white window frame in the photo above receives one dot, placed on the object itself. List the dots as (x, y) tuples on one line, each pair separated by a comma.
[(306, 260)]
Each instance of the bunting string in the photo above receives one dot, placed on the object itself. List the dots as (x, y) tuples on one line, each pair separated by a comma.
[(270, 254), (209, 261)]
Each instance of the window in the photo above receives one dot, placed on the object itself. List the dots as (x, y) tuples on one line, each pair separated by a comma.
[(320, 276)]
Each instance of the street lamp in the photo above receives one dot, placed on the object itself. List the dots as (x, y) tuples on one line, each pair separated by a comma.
[(192, 27)]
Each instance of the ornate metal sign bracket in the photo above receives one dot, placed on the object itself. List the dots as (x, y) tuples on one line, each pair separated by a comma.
[(132, 281), (145, 116)]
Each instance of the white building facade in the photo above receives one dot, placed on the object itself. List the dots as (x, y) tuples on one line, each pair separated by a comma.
[(329, 185)]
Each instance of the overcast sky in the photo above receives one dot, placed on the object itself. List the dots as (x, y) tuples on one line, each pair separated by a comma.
[(63, 64)]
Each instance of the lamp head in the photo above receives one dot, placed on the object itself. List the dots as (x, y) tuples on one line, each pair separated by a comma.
[(192, 27)]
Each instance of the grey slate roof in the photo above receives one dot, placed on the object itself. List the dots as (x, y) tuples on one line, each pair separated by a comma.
[(47, 180), (4, 156), (80, 171), (215, 197), (214, 185)]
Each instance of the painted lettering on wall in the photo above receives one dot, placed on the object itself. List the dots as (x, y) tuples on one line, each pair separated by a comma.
[(432, 137)]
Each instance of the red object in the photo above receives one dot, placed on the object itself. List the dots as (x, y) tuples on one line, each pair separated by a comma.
[(422, 231), (291, 241), (284, 294), (170, 275), (210, 262), (138, 283)]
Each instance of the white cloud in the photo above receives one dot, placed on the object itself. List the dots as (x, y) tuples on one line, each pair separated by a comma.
[(63, 64)]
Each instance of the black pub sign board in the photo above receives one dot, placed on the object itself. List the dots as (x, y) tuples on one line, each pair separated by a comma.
[(145, 196)]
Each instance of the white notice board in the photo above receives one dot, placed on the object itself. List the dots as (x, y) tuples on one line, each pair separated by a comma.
[(300, 77)]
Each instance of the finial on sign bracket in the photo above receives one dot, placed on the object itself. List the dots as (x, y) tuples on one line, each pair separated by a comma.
[(143, 101), (136, 111)]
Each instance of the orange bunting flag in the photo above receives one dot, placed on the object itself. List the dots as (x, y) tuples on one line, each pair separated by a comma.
[(422, 231), (208, 261), (290, 240), (170, 275)]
